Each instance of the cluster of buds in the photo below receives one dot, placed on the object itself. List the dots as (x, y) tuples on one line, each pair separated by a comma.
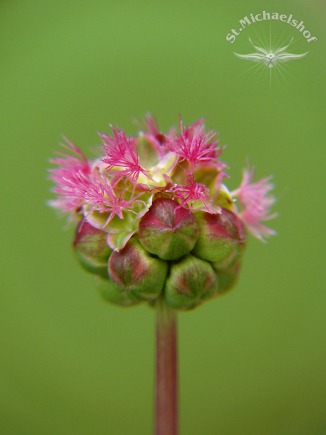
[(154, 217)]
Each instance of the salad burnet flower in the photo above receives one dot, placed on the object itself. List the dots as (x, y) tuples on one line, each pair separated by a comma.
[(154, 216)]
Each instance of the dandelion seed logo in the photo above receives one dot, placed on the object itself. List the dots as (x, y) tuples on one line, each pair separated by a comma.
[(270, 58)]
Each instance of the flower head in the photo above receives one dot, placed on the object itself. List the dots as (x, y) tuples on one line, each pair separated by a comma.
[(158, 202)]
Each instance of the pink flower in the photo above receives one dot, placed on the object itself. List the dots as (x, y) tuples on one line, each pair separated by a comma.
[(160, 198), (255, 202), (101, 197), (179, 167), (77, 185), (190, 191), (195, 146), (122, 153), (65, 175)]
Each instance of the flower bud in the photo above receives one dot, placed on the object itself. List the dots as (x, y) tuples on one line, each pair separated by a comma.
[(227, 280), (234, 258), (221, 236), (112, 292), (167, 230), (91, 248), (191, 282), (137, 272)]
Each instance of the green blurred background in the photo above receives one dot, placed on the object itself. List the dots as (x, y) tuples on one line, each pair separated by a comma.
[(252, 362)]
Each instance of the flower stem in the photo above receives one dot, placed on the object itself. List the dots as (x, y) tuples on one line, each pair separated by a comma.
[(166, 421)]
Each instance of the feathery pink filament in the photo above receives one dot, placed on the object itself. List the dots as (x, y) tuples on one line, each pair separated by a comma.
[(190, 191), (256, 203), (120, 153), (194, 145), (78, 183), (98, 193), (67, 170)]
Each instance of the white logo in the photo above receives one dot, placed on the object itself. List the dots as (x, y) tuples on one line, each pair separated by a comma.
[(267, 16), (270, 58)]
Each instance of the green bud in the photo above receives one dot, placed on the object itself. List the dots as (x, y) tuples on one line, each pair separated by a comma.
[(91, 248), (167, 231), (227, 280), (220, 237), (93, 265), (191, 282), (137, 272), (234, 258), (112, 292)]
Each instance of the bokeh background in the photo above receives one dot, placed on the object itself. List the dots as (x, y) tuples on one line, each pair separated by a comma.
[(252, 362)]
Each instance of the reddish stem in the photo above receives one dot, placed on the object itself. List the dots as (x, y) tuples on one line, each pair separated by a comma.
[(166, 422)]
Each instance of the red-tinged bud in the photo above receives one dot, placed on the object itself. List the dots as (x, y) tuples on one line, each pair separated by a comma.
[(91, 248), (93, 265), (112, 292), (227, 280), (234, 258), (220, 237), (91, 241), (191, 282), (136, 271), (167, 230)]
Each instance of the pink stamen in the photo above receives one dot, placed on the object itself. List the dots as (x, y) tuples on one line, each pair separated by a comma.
[(122, 153), (195, 146), (256, 203), (190, 191)]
